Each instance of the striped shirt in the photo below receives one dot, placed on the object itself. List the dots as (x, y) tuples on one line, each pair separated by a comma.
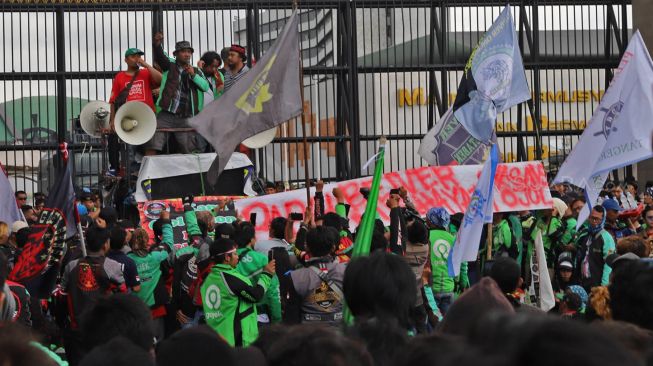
[(230, 79)]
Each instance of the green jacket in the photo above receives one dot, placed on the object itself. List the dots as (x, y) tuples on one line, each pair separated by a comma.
[(229, 299), (192, 229), (441, 243), (149, 267), (569, 236), (551, 234), (251, 265), (517, 236), (501, 237), (171, 79)]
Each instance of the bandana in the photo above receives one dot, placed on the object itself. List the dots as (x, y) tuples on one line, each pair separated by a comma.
[(439, 216), (578, 290), (227, 252), (238, 48), (595, 229)]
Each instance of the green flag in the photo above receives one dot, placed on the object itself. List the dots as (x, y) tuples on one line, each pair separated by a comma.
[(366, 227)]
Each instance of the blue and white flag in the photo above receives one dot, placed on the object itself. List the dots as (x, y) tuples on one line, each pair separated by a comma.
[(479, 211), (494, 79), (619, 133)]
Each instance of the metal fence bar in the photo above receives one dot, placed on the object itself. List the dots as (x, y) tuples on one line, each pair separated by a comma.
[(359, 57)]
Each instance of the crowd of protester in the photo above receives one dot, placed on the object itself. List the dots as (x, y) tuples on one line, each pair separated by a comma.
[(226, 298)]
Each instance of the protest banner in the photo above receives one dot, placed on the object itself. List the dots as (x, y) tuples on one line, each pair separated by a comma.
[(518, 186), (149, 212)]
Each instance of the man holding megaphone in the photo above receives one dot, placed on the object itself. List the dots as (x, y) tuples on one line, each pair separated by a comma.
[(134, 84), (181, 96)]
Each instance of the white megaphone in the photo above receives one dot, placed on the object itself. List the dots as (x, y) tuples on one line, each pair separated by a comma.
[(135, 123), (95, 117), (260, 140)]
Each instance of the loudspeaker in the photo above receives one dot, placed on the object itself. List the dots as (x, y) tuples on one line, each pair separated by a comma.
[(94, 117), (135, 123), (260, 140)]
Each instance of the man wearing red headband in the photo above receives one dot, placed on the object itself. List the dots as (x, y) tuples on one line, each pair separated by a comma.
[(236, 67)]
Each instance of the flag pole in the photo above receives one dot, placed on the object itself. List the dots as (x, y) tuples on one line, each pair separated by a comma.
[(488, 255), (307, 183)]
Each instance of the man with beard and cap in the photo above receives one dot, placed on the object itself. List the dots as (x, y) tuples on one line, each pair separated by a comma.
[(236, 67), (441, 243), (594, 245)]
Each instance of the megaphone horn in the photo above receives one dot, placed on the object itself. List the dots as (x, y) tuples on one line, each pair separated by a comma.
[(135, 123), (260, 140), (94, 117)]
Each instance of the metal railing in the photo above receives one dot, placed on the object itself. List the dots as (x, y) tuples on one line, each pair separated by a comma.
[(371, 68)]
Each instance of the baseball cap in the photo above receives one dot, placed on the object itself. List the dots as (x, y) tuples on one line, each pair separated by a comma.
[(85, 196), (133, 51), (566, 264), (611, 204), (17, 225)]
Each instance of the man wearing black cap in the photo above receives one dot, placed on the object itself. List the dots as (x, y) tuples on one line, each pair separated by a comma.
[(236, 67), (181, 96), (134, 84)]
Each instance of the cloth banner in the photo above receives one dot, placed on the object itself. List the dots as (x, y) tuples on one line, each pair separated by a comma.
[(518, 186), (149, 212)]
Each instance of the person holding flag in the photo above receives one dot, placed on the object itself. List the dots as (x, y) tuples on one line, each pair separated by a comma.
[(619, 133)]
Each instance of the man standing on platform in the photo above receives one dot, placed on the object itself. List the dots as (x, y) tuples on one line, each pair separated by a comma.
[(210, 64), (181, 96), (135, 84), (236, 67)]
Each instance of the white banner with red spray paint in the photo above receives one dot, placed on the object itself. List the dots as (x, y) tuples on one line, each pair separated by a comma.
[(518, 187)]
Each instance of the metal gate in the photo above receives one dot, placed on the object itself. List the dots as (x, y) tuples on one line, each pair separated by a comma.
[(371, 68)]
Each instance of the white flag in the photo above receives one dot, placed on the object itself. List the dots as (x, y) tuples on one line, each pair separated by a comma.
[(541, 284), (478, 212), (619, 133)]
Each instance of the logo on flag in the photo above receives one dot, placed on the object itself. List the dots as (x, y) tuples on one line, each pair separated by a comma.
[(258, 93), (611, 115), (494, 80)]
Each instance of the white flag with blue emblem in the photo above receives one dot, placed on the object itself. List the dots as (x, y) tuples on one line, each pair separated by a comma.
[(479, 211), (494, 79), (619, 133)]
